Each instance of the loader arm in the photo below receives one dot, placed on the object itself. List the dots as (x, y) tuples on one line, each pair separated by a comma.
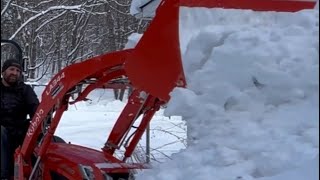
[(55, 99)]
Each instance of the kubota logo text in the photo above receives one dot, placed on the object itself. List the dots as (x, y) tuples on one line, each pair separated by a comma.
[(35, 122)]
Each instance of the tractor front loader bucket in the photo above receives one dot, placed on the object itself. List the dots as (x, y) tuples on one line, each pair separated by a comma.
[(155, 66)]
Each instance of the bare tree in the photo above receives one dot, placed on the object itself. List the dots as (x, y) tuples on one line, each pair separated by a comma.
[(56, 33)]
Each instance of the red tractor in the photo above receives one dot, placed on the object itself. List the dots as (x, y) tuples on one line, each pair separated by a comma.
[(153, 69)]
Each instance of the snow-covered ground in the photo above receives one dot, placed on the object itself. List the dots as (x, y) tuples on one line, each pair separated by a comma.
[(97, 117), (251, 105)]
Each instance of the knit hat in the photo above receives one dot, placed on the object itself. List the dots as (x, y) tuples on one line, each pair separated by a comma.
[(11, 62)]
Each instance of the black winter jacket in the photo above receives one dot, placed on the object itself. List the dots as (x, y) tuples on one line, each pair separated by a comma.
[(16, 103)]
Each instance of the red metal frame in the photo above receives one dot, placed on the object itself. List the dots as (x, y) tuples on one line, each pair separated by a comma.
[(256, 5), (153, 67)]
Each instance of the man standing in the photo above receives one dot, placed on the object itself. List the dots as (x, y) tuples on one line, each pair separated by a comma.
[(18, 100)]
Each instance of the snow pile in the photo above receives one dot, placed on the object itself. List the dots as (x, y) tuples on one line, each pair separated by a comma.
[(251, 104)]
